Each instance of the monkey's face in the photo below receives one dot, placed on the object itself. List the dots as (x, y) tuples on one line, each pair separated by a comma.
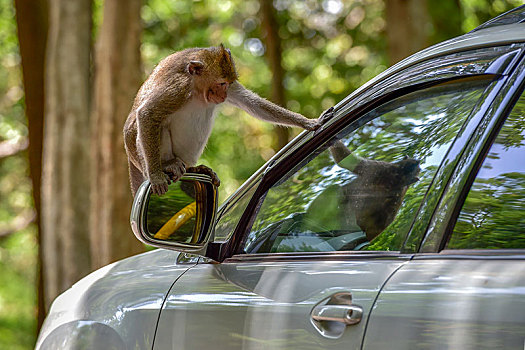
[(211, 89), (217, 93), (224, 68), (213, 71), (408, 171)]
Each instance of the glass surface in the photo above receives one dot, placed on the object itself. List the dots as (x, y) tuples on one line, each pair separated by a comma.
[(172, 216), (231, 216), (362, 191), (493, 215)]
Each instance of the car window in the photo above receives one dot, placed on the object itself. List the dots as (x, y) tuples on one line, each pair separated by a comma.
[(231, 215), (492, 216), (362, 190)]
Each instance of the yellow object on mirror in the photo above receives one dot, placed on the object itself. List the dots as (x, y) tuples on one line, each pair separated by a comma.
[(176, 221)]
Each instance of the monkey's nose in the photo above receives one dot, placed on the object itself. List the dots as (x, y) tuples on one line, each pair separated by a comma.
[(218, 98)]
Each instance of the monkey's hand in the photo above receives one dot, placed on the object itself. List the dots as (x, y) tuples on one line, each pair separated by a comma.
[(203, 169), (174, 168), (159, 183), (311, 124)]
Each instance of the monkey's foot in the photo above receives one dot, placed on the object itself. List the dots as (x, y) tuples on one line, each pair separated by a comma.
[(174, 168), (203, 169), (159, 183)]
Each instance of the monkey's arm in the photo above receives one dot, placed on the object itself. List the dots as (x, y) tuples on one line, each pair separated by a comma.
[(148, 144), (343, 157), (265, 110)]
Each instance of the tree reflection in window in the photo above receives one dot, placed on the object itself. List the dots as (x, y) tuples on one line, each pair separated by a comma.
[(493, 215), (314, 207)]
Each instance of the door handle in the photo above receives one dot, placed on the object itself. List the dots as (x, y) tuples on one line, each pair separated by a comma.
[(331, 316), (347, 314)]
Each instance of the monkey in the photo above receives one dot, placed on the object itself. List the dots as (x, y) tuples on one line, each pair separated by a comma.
[(173, 114), (377, 192)]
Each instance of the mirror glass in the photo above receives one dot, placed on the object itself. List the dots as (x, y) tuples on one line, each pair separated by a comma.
[(174, 216)]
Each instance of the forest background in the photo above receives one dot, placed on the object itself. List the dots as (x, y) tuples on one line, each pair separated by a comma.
[(70, 69)]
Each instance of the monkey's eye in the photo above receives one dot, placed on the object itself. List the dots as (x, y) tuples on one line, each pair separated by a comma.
[(224, 84)]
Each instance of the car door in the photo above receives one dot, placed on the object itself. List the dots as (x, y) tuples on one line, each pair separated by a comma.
[(306, 256), (466, 289)]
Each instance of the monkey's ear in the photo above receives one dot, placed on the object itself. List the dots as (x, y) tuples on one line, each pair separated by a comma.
[(226, 53), (195, 67)]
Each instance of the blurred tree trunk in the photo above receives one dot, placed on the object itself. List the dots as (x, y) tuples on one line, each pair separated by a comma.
[(273, 54), (407, 24), (31, 18), (65, 177), (117, 79)]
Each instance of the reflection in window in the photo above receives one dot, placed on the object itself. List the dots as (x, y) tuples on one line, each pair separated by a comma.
[(364, 189), (493, 216), (231, 216)]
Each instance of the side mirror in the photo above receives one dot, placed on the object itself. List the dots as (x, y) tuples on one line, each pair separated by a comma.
[(180, 219)]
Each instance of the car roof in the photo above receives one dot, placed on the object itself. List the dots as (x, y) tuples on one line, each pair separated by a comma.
[(481, 37), (516, 15)]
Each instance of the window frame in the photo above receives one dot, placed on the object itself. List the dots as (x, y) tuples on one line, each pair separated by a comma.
[(232, 249), (482, 86), (449, 207), (321, 146), (499, 122)]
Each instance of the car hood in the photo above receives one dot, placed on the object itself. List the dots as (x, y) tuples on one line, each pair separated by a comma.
[(118, 304)]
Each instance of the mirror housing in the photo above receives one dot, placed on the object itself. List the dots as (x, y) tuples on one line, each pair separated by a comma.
[(181, 219)]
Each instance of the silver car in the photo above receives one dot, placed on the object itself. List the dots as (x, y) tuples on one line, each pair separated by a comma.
[(400, 224)]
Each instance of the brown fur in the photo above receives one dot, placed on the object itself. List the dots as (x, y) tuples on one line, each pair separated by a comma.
[(377, 192), (173, 112)]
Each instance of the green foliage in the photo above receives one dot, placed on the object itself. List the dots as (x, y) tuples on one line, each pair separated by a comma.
[(492, 215), (476, 12), (17, 251), (17, 292)]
